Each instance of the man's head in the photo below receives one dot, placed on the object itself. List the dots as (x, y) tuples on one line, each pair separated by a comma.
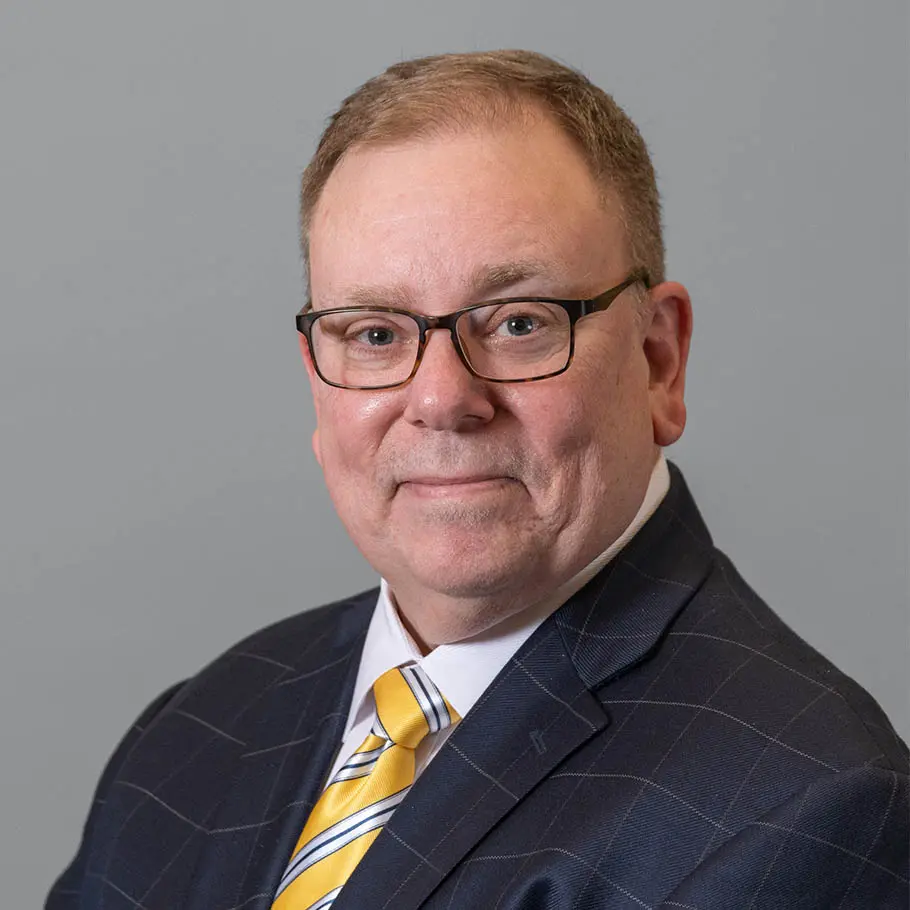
[(436, 96), (476, 499)]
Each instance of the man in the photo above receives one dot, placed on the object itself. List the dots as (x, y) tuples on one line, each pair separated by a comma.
[(562, 695)]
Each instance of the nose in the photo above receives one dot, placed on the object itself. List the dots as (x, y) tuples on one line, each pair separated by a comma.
[(444, 395)]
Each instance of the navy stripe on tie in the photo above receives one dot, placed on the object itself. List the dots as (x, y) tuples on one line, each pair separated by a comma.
[(421, 697), (427, 695), (355, 769), (438, 701), (364, 758), (340, 835)]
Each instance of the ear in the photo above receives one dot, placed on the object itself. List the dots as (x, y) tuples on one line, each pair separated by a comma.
[(666, 346), (314, 386)]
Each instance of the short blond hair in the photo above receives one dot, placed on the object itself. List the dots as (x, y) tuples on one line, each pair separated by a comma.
[(429, 96)]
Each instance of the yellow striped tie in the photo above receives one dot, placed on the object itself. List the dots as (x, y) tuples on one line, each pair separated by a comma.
[(364, 792)]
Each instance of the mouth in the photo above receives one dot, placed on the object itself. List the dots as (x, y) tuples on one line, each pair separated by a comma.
[(441, 480), (454, 486)]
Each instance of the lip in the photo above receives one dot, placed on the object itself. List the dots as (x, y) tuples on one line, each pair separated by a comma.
[(442, 487), (458, 480)]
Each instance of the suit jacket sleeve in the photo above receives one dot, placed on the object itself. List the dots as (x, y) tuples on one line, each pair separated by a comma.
[(834, 844), (67, 892)]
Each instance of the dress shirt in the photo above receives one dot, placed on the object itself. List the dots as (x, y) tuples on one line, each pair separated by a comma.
[(463, 669)]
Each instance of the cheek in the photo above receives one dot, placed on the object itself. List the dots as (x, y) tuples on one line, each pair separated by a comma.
[(588, 421), (569, 428), (560, 435), (351, 426)]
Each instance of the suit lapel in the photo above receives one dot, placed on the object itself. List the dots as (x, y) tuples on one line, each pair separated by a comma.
[(538, 710)]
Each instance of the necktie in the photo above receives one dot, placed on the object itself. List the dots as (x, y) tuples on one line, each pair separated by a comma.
[(365, 791)]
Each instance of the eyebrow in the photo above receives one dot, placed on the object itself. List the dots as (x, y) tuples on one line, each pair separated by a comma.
[(484, 282), (490, 279)]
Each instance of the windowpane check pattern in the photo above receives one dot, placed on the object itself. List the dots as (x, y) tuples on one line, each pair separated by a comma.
[(511, 339), (365, 791)]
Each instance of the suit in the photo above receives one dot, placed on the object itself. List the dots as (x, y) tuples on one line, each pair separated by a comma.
[(662, 740)]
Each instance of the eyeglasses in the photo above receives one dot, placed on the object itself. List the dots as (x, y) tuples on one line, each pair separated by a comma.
[(512, 339)]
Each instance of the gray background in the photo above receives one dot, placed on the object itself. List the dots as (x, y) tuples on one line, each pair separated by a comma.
[(158, 494)]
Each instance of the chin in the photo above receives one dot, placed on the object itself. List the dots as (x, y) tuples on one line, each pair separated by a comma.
[(480, 570), (465, 585), (461, 549)]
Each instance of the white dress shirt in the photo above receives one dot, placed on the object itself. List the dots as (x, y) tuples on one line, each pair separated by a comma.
[(463, 669)]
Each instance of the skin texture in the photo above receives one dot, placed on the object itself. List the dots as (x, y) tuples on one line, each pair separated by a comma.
[(474, 499)]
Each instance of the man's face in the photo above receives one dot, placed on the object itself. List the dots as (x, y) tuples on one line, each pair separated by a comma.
[(449, 485)]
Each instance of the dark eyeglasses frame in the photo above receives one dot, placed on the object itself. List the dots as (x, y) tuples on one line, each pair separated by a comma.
[(575, 309)]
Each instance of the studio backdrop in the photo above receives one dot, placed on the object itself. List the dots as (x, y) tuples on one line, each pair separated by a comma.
[(158, 494)]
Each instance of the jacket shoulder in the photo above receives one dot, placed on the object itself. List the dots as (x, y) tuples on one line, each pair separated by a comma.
[(237, 675), (333, 623), (773, 680)]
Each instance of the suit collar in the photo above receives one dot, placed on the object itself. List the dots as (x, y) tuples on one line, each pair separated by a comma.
[(621, 615)]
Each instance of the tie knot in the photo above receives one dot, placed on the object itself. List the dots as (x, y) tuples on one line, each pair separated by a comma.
[(409, 706)]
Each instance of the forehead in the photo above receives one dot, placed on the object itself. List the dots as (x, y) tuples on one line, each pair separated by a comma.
[(464, 213)]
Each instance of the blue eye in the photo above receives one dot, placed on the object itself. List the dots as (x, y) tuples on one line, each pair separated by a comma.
[(518, 325), (376, 337)]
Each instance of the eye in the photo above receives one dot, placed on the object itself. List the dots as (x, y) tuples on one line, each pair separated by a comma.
[(374, 330), (516, 326), (376, 336)]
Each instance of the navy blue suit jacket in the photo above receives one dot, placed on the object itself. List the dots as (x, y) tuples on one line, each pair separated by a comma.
[(662, 741)]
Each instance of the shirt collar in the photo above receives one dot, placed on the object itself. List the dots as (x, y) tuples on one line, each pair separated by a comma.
[(463, 669)]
